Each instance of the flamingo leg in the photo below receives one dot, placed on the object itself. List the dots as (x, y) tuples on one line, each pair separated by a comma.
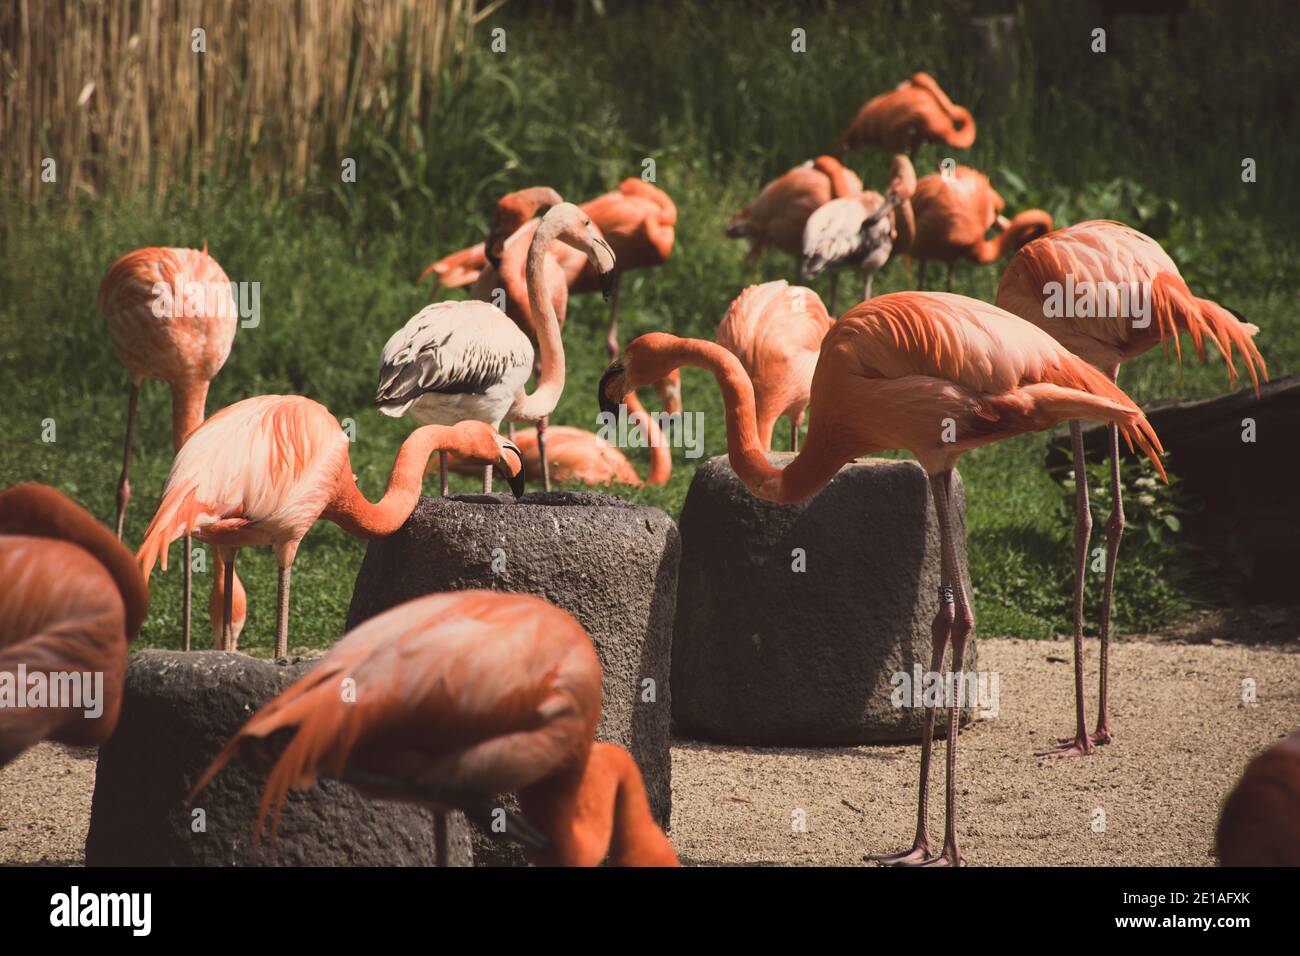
[(541, 453), (866, 287), (940, 632), (189, 595), (124, 485), (1114, 532), (487, 480), (794, 433), (1080, 744), (611, 340), (442, 472), (282, 613), (228, 608), (920, 275)]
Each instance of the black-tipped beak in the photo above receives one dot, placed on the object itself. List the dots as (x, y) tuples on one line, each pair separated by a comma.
[(611, 390), (516, 480), (608, 283)]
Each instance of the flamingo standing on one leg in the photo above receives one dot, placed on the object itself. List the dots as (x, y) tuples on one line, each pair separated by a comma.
[(170, 316), (954, 212), (778, 214), (914, 112), (1260, 821), (467, 360), (1108, 293), (460, 698), (72, 600), (861, 231), (776, 331), (907, 370), (262, 471)]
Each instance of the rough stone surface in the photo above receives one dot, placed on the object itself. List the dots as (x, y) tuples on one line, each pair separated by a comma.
[(611, 564), (179, 711), (763, 654), (1247, 489)]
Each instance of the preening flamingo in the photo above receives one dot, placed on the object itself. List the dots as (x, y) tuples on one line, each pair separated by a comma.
[(170, 316), (931, 373), (72, 600), (1108, 293), (460, 698), (467, 360), (776, 331), (955, 210), (861, 231), (1260, 821), (914, 112), (262, 471), (778, 214), (577, 455)]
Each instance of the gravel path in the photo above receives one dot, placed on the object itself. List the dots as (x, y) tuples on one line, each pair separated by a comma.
[(1183, 736)]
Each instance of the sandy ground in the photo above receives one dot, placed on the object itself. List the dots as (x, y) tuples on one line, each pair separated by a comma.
[(1183, 735)]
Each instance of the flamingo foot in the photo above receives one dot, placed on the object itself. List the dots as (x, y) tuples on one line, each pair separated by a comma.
[(1102, 735), (917, 856), (1079, 746), (951, 856)]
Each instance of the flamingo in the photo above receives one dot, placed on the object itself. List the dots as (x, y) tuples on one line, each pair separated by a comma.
[(72, 600), (776, 331), (778, 214), (467, 360), (1260, 821), (953, 213), (171, 317), (460, 698), (262, 471), (914, 112), (935, 374), (861, 230), (1107, 260), (577, 455)]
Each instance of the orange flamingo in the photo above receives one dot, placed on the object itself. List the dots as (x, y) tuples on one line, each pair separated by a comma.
[(262, 471), (72, 600), (171, 316), (460, 698), (579, 456), (953, 213), (931, 373), (1260, 821), (914, 112), (1132, 299), (861, 231), (778, 214), (776, 331)]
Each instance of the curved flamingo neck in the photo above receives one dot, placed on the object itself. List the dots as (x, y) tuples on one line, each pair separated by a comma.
[(550, 382), (904, 227), (1024, 227), (834, 170), (356, 515), (661, 456), (806, 474), (189, 400)]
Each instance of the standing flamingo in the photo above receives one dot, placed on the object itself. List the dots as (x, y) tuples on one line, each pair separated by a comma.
[(72, 600), (953, 213), (262, 471), (460, 698), (467, 360), (1112, 270), (1260, 821), (778, 214), (914, 112), (577, 455), (861, 231), (931, 373), (170, 316), (776, 331)]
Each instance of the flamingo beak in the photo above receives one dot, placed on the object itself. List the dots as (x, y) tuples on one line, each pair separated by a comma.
[(513, 470), (610, 392)]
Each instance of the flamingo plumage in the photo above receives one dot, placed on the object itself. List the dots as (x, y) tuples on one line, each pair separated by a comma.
[(776, 331), (954, 212), (931, 373), (264, 470), (72, 600), (914, 112), (1259, 824), (171, 316), (460, 698), (459, 360), (861, 231), (1109, 265)]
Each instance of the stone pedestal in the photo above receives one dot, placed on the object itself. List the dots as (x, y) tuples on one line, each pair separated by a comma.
[(611, 564), (797, 623)]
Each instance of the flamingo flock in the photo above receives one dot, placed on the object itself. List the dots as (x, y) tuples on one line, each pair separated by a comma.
[(463, 696)]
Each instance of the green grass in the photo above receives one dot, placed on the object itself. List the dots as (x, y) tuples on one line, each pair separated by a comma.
[(715, 97)]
